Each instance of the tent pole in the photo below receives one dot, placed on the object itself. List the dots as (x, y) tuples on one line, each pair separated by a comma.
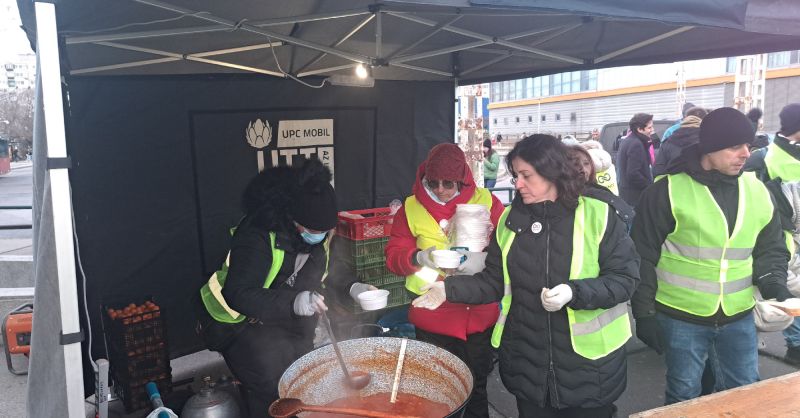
[(642, 44), (423, 69), (328, 69), (50, 70), (337, 43), (438, 28)]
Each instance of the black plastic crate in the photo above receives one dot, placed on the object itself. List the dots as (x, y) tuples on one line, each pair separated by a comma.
[(134, 395), (144, 363)]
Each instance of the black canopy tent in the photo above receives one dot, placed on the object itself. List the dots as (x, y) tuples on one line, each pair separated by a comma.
[(156, 104)]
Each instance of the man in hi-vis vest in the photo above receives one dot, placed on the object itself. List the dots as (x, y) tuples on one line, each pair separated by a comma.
[(778, 165), (707, 234), (444, 180)]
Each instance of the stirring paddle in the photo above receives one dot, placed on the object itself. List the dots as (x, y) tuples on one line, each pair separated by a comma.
[(398, 370), (288, 407)]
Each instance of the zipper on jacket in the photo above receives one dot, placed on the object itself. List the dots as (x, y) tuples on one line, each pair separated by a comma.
[(551, 371)]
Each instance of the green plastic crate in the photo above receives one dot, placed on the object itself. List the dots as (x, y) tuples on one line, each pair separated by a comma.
[(378, 275), (368, 252)]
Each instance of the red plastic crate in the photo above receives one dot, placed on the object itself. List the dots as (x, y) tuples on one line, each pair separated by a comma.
[(377, 223)]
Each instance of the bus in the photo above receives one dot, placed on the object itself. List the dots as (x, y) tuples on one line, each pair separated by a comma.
[(5, 157)]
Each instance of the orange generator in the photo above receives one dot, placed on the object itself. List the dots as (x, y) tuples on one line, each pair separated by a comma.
[(16, 331)]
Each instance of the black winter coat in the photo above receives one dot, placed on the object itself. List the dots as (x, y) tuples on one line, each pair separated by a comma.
[(654, 221), (633, 163), (671, 149), (536, 356)]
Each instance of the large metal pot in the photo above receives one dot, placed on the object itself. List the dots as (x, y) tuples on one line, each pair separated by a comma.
[(428, 371)]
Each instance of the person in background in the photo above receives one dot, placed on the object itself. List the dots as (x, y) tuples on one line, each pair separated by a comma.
[(499, 138), (671, 130), (634, 159), (687, 134), (702, 253), (444, 181), (605, 172), (762, 140), (260, 309), (491, 162), (567, 260), (778, 165), (582, 162)]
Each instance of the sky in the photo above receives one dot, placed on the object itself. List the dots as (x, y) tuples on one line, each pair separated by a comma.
[(14, 40)]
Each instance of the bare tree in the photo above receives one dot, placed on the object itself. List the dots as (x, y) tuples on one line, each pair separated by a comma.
[(16, 115)]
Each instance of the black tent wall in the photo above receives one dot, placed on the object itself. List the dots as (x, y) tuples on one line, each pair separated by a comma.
[(159, 164)]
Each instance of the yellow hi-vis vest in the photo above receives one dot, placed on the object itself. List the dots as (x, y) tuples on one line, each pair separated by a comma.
[(594, 333), (702, 267), (429, 233), (211, 292), (781, 164)]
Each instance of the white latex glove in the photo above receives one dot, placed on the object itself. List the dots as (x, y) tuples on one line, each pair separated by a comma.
[(358, 288), (434, 296), (555, 298), (425, 259), (307, 303), (475, 262)]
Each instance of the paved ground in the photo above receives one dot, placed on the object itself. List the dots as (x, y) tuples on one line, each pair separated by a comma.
[(645, 368)]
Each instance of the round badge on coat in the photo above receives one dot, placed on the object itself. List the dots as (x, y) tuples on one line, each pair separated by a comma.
[(536, 227)]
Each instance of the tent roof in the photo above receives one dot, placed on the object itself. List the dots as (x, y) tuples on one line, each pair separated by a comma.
[(473, 41)]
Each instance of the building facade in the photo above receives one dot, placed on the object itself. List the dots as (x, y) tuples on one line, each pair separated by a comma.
[(18, 73), (581, 101)]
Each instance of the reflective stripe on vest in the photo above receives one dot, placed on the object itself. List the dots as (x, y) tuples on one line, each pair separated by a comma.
[(781, 164), (702, 266), (428, 232), (594, 333), (211, 292)]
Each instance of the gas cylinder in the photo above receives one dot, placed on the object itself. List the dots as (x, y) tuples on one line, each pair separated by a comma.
[(211, 402)]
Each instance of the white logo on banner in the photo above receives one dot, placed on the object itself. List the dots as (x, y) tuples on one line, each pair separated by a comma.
[(259, 135), (309, 138)]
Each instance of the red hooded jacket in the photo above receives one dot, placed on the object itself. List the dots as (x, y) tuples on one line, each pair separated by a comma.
[(451, 319)]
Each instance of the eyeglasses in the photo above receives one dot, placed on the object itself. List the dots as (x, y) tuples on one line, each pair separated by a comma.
[(434, 184)]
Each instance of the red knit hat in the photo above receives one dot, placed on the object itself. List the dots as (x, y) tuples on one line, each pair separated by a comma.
[(447, 162)]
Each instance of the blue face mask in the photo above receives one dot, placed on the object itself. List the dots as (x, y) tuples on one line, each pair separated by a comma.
[(312, 239)]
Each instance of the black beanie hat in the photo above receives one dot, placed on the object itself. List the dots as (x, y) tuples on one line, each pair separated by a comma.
[(724, 128), (790, 119), (487, 143), (314, 205)]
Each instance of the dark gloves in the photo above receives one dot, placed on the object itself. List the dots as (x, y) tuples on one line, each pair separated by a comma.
[(775, 291), (649, 331)]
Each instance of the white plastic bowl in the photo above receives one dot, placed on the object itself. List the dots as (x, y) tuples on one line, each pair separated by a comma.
[(446, 259), (373, 299)]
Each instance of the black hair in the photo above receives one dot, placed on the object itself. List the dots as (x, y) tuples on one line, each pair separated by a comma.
[(639, 121), (754, 114), (548, 156)]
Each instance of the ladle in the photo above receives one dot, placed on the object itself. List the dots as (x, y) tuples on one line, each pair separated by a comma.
[(357, 380), (287, 407)]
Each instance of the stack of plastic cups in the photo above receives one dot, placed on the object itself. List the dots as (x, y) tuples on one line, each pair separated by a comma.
[(473, 227)]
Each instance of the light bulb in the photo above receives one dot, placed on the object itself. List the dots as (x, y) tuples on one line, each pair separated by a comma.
[(361, 72)]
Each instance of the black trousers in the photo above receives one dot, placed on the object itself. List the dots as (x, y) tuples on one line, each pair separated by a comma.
[(476, 352), (258, 356), (532, 410)]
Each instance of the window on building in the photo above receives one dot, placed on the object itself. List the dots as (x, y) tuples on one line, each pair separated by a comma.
[(779, 59), (573, 117), (589, 80), (494, 121), (730, 65), (530, 119), (517, 119), (529, 88), (505, 121), (556, 84), (544, 118), (558, 116), (520, 89), (506, 91), (576, 81), (545, 86)]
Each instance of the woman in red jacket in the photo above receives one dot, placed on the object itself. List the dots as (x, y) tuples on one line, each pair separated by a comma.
[(444, 180)]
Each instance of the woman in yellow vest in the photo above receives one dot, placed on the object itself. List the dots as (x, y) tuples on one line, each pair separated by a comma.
[(568, 262), (444, 181), (260, 309)]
